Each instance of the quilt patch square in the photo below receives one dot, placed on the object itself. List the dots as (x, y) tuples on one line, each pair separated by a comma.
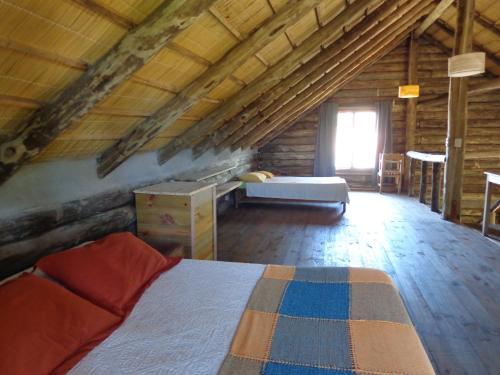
[(267, 295), (316, 300), (279, 272), (388, 347), (311, 342), (254, 335), (273, 368), (377, 302), (241, 366), (322, 274), (368, 275)]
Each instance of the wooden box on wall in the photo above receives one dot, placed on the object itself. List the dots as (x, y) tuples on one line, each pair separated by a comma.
[(179, 212)]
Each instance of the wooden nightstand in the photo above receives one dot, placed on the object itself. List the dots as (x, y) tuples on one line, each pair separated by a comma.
[(182, 212)]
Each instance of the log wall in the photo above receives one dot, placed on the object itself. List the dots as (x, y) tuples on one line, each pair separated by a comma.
[(292, 151), (53, 206)]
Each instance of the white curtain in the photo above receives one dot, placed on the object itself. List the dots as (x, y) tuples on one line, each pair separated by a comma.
[(384, 130), (324, 161)]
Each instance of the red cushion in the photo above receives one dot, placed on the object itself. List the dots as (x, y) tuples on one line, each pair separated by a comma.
[(112, 272), (43, 324)]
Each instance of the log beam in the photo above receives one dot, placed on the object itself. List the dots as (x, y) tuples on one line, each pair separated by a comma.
[(457, 117), (433, 16), (262, 84), (322, 62), (166, 116), (478, 89), (117, 65)]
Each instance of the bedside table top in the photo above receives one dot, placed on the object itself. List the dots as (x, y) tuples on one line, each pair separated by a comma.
[(175, 188)]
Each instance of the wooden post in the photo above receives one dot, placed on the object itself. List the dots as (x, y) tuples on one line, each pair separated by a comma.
[(423, 182), (436, 176), (457, 116), (411, 175), (411, 104)]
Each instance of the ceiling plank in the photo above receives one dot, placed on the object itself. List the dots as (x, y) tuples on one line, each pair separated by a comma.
[(117, 65), (263, 83), (212, 77), (398, 19), (94, 7), (223, 134), (448, 29), (433, 16)]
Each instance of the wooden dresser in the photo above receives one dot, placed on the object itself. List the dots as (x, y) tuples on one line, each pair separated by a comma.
[(179, 212)]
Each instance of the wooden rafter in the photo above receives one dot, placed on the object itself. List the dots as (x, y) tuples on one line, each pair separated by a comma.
[(397, 20), (118, 64), (486, 22), (433, 16), (321, 62), (212, 77), (262, 84)]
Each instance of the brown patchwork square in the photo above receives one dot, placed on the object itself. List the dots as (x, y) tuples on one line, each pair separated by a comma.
[(368, 275), (389, 348), (377, 302), (241, 366), (267, 295), (254, 335), (279, 272)]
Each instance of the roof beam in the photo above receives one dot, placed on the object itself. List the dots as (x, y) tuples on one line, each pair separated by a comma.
[(117, 65), (212, 77), (322, 62), (334, 79), (475, 90), (263, 83), (433, 16), (371, 35)]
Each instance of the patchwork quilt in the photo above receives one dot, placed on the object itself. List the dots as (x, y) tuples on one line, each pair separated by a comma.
[(325, 321)]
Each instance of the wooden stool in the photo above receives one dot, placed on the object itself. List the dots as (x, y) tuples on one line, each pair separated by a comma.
[(390, 166)]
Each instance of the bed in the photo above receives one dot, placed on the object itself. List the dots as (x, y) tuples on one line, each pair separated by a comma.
[(309, 189), (212, 317)]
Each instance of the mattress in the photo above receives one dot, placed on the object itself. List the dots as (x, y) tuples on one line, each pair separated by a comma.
[(331, 189), (183, 324)]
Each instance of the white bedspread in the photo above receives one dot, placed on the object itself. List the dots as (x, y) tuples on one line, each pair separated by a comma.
[(183, 324), (334, 189)]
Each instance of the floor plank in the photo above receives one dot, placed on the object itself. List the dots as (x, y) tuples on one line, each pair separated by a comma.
[(448, 274)]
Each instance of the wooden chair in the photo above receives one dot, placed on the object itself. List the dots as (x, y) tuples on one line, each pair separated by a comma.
[(390, 166)]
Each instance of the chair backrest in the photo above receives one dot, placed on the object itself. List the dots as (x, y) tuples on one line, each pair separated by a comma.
[(394, 161)]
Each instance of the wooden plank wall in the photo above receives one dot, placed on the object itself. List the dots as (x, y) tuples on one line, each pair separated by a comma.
[(292, 152)]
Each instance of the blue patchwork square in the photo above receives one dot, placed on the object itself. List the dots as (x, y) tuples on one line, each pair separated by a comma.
[(284, 369), (316, 300), (322, 274), (311, 342)]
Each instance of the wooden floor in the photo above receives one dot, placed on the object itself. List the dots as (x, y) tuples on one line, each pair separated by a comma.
[(449, 275)]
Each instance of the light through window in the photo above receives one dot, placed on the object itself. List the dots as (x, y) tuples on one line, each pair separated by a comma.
[(356, 142)]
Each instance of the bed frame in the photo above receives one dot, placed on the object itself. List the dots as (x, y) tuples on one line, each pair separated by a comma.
[(240, 196)]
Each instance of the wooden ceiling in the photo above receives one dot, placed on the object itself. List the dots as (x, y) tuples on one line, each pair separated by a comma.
[(113, 77)]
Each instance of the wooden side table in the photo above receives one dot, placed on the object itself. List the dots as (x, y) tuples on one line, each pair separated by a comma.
[(179, 212)]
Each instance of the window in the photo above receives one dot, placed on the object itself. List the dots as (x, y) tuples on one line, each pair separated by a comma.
[(356, 143)]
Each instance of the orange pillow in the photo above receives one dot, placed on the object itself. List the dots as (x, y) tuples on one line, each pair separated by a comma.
[(43, 324), (112, 272)]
